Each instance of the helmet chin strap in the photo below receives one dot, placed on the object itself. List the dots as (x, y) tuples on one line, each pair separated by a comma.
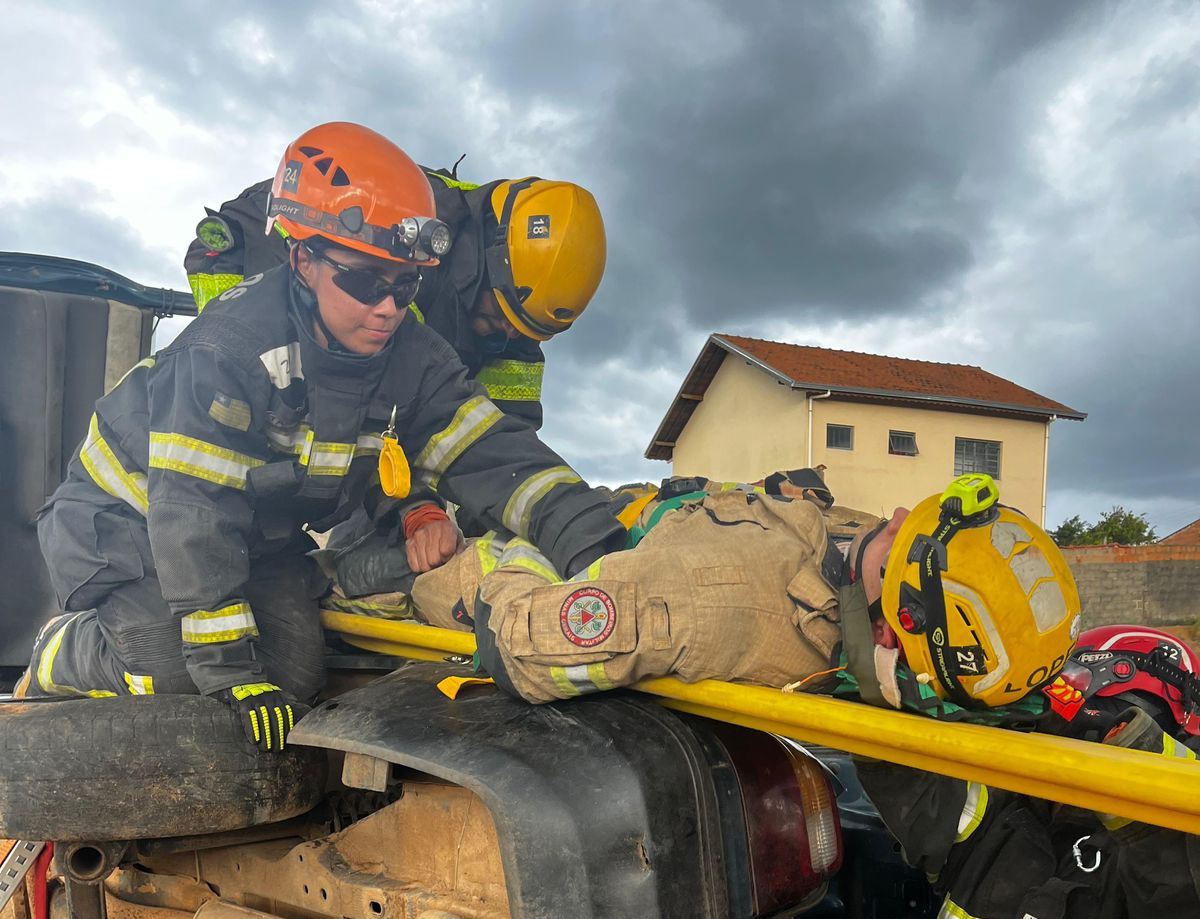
[(307, 298)]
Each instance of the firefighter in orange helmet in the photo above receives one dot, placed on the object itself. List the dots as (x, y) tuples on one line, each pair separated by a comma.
[(177, 543)]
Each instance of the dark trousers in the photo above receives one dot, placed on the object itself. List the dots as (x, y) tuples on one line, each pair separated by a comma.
[(118, 634)]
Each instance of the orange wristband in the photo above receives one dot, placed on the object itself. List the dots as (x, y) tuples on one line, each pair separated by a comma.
[(422, 516)]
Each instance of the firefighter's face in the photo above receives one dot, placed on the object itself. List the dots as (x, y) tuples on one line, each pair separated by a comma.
[(876, 555), (364, 328), (489, 319)]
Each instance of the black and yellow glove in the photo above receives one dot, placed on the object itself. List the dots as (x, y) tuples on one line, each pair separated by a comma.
[(267, 713)]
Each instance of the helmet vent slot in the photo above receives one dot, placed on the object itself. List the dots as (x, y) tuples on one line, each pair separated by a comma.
[(339, 177), (323, 165), (310, 152)]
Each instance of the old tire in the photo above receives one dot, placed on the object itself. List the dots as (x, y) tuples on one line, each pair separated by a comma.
[(142, 767)]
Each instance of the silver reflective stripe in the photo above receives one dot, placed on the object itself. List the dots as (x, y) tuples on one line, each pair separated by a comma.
[(329, 458), (200, 459), (368, 444), (520, 554), (226, 624), (581, 679), (139, 684), (973, 810), (470, 422), (106, 470), (519, 510), (283, 364), (295, 442)]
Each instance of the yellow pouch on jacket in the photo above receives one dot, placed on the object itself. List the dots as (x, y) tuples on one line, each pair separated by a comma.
[(395, 475)]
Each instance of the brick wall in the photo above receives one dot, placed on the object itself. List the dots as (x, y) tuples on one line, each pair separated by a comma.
[(1156, 585)]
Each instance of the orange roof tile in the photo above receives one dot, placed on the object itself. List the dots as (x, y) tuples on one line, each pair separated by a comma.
[(876, 374), (1185, 536)]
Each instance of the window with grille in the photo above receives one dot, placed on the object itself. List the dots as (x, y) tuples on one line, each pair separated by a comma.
[(839, 436), (902, 443), (976, 456)]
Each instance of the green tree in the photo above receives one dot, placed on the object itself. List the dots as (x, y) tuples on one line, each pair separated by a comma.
[(1117, 525), (1071, 532), (1124, 527)]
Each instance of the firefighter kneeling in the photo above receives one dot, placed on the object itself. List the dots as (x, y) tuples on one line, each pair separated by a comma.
[(961, 604)]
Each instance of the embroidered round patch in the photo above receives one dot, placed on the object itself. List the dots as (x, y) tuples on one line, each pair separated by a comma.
[(587, 617)]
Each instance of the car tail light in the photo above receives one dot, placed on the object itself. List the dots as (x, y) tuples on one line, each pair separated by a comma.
[(793, 831)]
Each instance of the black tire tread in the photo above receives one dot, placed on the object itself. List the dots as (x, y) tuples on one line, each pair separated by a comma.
[(142, 767)]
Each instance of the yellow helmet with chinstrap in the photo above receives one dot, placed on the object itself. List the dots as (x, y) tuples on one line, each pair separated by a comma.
[(981, 599)]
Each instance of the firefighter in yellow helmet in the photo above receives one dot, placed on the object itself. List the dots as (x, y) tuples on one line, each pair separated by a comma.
[(526, 259), (739, 584)]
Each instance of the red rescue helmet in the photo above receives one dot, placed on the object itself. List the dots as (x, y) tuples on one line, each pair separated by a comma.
[(1118, 666)]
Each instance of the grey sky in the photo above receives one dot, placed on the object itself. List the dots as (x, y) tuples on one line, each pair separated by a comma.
[(1013, 185)]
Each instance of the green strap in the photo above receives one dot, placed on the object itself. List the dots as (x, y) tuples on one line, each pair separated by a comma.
[(637, 533)]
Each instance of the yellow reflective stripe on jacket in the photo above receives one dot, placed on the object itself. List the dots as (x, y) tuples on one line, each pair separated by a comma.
[(469, 423), (189, 456), (45, 669), (107, 472), (512, 381), (206, 286), (146, 363), (1172, 747), (329, 458), (139, 684), (488, 549), (590, 573), (519, 553), (951, 910), (453, 183), (228, 623), (519, 510), (581, 679), (973, 810)]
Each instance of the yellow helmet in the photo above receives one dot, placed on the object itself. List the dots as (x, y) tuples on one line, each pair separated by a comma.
[(547, 255), (981, 599)]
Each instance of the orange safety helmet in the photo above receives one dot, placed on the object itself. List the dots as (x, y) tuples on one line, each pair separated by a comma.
[(353, 187)]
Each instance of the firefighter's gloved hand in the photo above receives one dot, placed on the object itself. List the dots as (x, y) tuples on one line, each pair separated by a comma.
[(267, 713)]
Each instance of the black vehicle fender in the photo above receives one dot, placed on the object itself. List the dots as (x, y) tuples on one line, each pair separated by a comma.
[(603, 806)]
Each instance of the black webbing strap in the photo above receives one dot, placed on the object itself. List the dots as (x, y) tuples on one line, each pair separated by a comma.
[(932, 560)]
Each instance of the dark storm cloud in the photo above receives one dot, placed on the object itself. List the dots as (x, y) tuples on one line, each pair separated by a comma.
[(776, 166), (59, 223)]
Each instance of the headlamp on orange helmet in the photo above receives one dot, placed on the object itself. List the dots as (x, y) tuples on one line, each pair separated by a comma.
[(981, 599), (354, 187)]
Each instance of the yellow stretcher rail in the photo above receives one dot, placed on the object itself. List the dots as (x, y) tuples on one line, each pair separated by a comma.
[(1130, 783)]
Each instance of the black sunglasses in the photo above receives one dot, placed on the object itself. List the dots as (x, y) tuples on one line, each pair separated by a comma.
[(365, 286)]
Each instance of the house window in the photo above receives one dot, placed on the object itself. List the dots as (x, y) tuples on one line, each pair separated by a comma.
[(976, 456), (839, 436), (902, 443)]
